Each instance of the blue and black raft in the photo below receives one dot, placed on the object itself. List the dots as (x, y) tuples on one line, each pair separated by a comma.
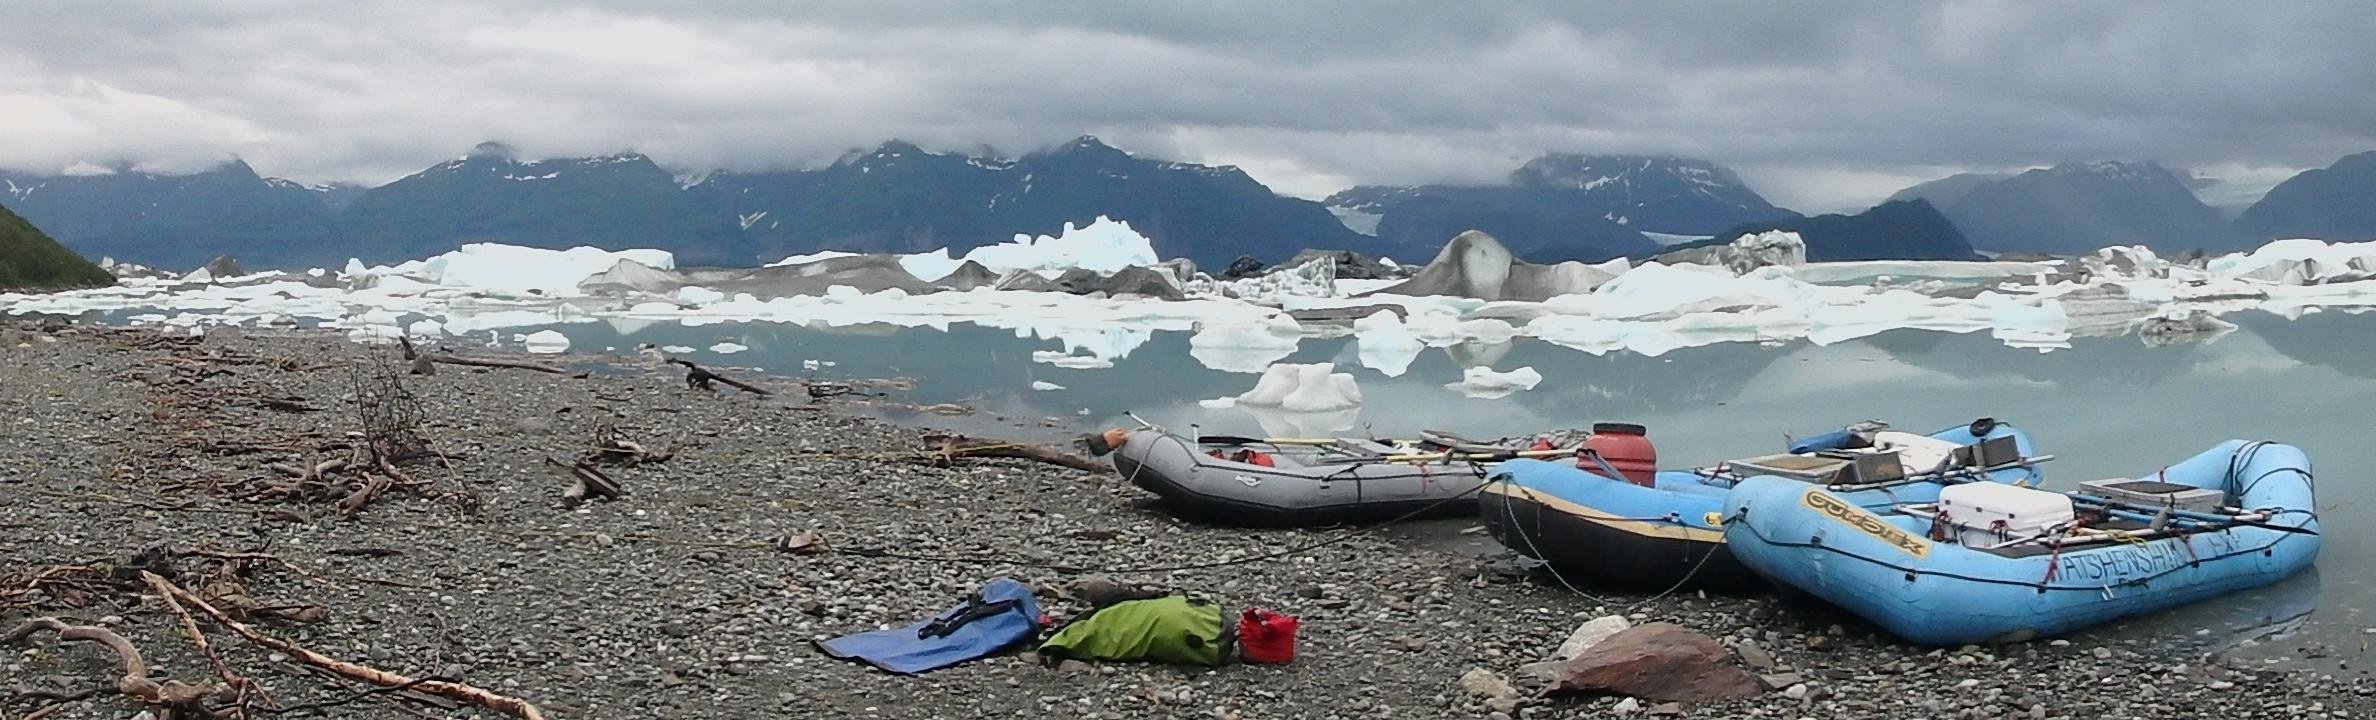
[(1588, 523), (1000, 615), (1985, 563)]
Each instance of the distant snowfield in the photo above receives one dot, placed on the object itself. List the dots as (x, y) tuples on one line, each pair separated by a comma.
[(1245, 326)]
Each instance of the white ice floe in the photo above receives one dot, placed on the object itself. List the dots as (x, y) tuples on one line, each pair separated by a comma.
[(1045, 385), (1245, 346), (1386, 344), (1104, 246), (1313, 388), (728, 348), (2299, 262), (544, 342), (515, 270), (1076, 362), (1486, 384)]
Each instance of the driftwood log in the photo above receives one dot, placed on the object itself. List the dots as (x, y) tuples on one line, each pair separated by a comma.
[(588, 483), (171, 698), (360, 673), (946, 448), (422, 362), (613, 448), (700, 378)]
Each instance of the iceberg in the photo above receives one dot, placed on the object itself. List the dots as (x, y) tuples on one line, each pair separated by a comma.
[(1074, 362), (516, 270), (1314, 388), (1104, 246), (1485, 384), (1386, 345), (1245, 346), (545, 342), (1045, 385)]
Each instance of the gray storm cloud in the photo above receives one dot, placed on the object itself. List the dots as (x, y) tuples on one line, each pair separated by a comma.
[(1820, 105)]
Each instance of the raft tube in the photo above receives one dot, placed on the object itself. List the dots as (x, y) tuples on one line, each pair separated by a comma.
[(1617, 534), (1302, 486), (1883, 566)]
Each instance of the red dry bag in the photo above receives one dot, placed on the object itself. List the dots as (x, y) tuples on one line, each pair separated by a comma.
[(1266, 637)]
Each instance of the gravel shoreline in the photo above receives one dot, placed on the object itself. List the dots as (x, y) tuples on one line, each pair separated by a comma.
[(670, 603)]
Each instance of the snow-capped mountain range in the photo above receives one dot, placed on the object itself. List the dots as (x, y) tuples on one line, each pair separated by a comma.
[(899, 197)]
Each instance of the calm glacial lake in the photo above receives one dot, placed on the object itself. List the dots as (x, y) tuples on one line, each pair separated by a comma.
[(2108, 406)]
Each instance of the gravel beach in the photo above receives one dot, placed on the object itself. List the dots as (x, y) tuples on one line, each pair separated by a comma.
[(675, 601)]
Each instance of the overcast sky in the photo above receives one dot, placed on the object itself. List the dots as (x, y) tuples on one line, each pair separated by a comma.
[(1820, 106)]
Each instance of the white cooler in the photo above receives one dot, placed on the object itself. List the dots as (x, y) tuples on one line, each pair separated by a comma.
[(1975, 509)]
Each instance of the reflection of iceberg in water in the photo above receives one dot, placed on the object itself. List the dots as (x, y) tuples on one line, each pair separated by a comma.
[(1280, 423), (1478, 354)]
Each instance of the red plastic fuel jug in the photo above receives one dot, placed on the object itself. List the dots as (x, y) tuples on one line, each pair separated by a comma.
[(1626, 448)]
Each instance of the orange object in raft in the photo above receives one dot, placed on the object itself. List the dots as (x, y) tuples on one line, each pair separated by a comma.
[(1625, 448)]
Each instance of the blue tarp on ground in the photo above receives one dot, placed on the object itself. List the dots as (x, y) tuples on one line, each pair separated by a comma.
[(1002, 614)]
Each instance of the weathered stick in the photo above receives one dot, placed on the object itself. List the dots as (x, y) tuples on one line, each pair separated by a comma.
[(373, 485), (950, 447), (360, 673), (189, 626)]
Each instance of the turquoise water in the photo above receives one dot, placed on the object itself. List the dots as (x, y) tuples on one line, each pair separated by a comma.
[(2108, 406)]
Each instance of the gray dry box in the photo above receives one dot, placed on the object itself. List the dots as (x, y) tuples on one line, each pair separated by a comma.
[(2154, 494)]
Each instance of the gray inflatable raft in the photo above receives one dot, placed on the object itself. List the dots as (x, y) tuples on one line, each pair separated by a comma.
[(1254, 482)]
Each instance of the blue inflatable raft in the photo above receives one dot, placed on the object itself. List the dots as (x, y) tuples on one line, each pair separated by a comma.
[(1614, 533), (1947, 573)]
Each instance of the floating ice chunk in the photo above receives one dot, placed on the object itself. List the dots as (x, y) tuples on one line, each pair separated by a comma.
[(728, 348), (425, 328), (1485, 384), (2042, 326), (546, 342), (1219, 403), (812, 257), (200, 275), (675, 349), (1656, 291), (1076, 362), (1310, 388), (516, 270), (1245, 346), (1386, 345), (1104, 246), (1045, 385), (699, 295), (930, 266), (2299, 262)]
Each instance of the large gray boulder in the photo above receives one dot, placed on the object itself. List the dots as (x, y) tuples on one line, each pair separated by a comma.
[(1658, 662)]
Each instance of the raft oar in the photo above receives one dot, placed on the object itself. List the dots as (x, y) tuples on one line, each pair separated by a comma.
[(1242, 440), (1415, 457), (2135, 511)]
